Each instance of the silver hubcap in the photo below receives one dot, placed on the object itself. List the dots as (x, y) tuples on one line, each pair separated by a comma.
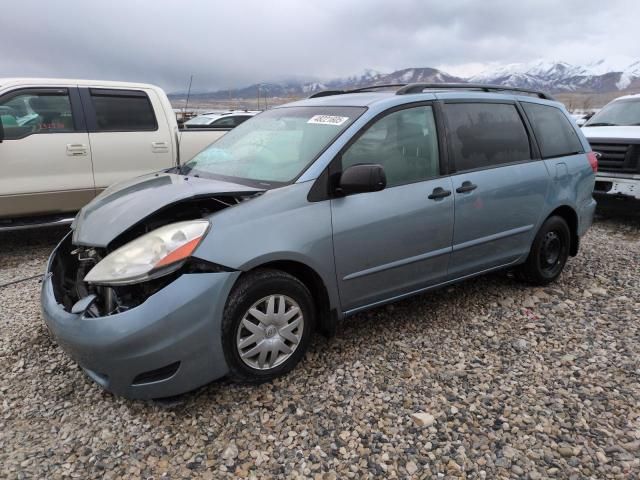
[(270, 332)]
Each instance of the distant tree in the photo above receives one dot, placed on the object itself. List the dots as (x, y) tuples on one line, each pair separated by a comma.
[(570, 104)]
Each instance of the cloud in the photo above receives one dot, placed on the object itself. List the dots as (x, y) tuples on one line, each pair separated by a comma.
[(231, 44)]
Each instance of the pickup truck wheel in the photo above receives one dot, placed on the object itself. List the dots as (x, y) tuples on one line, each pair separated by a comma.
[(549, 252), (268, 323)]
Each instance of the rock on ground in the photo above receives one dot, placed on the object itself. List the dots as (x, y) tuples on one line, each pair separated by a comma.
[(521, 382)]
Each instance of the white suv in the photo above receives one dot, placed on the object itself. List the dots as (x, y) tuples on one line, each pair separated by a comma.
[(614, 134), (229, 119)]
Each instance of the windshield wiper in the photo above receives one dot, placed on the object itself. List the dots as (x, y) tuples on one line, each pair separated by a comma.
[(602, 124)]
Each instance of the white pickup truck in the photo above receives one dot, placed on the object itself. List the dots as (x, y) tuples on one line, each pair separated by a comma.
[(64, 141), (614, 134)]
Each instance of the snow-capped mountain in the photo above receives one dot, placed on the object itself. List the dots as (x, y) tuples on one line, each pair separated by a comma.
[(296, 89), (552, 76), (557, 76)]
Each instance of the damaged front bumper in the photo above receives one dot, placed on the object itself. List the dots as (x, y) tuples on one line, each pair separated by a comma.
[(169, 344)]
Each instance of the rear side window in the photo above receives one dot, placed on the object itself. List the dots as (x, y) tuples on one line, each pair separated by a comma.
[(123, 111), (484, 135), (554, 133)]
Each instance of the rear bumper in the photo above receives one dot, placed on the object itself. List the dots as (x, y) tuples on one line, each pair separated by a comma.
[(168, 345), (616, 187)]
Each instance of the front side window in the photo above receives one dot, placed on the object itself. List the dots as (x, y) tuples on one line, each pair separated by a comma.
[(34, 112), (120, 111), (404, 142), (553, 130), (484, 135), (616, 114), (275, 147), (225, 122)]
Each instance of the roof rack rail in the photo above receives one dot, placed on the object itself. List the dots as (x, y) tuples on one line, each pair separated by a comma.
[(327, 93), (420, 87), (376, 87)]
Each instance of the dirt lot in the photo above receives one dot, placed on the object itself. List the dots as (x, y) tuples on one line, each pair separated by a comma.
[(513, 381)]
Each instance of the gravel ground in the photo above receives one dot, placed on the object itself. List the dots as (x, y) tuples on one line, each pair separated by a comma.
[(488, 379)]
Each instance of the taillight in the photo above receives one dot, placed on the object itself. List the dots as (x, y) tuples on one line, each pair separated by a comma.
[(593, 161)]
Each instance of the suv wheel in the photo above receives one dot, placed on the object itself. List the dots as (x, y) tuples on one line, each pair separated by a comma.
[(268, 322), (549, 252)]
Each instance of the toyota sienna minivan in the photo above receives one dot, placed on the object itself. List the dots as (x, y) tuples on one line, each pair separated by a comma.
[(306, 214)]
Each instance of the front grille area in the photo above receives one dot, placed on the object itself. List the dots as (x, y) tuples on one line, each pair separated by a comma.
[(617, 157)]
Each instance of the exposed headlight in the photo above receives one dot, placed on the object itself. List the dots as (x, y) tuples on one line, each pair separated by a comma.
[(152, 255)]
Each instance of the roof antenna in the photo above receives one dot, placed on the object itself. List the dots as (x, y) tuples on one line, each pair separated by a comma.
[(184, 115)]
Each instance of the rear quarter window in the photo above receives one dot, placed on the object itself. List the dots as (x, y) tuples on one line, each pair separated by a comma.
[(553, 130), (484, 135), (122, 111)]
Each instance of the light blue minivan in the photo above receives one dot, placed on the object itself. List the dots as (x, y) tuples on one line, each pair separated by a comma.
[(306, 214)]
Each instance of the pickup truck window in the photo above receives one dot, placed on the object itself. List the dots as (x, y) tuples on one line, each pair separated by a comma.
[(275, 147), (123, 111), (31, 112), (552, 129)]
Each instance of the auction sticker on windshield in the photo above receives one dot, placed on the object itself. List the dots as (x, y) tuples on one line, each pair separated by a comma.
[(328, 119)]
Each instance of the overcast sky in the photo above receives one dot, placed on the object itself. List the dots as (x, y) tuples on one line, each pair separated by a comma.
[(239, 42)]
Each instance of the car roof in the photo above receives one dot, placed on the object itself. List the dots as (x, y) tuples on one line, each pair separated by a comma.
[(34, 81), (635, 96)]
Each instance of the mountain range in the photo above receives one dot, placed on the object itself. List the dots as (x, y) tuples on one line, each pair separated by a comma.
[(550, 76)]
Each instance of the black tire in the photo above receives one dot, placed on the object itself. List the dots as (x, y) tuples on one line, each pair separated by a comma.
[(549, 253), (250, 289)]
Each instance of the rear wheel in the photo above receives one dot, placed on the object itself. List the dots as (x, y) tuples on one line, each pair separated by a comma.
[(267, 325), (549, 252)]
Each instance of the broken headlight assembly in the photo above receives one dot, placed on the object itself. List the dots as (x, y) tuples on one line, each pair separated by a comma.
[(154, 254)]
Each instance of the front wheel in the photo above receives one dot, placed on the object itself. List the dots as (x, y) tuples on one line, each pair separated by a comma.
[(268, 322), (549, 252)]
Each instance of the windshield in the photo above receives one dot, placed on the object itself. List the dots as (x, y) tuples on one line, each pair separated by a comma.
[(617, 114), (275, 146)]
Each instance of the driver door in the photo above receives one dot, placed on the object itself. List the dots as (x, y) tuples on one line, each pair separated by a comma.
[(398, 240), (45, 156)]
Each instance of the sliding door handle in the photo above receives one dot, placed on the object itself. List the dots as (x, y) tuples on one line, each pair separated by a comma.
[(466, 187)]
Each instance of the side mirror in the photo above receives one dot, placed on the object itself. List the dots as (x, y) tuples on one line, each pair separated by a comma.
[(362, 178)]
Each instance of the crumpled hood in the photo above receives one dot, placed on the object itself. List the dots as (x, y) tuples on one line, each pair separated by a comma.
[(124, 204), (619, 133)]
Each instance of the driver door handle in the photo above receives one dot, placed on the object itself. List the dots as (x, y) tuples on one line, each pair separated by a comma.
[(76, 149), (466, 187), (439, 193)]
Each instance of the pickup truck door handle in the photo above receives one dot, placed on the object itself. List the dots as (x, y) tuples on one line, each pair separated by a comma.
[(76, 149), (439, 193), (159, 147), (466, 187)]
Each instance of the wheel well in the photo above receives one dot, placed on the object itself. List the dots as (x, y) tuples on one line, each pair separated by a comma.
[(326, 318), (571, 217)]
